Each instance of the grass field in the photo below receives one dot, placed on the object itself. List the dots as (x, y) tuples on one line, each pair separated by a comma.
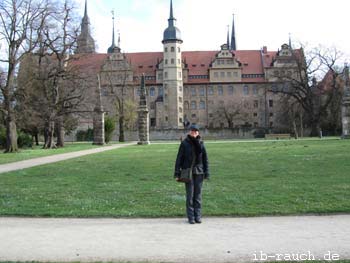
[(247, 179), (37, 151)]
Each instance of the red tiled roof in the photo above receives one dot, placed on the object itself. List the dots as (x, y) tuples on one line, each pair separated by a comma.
[(88, 63), (253, 62)]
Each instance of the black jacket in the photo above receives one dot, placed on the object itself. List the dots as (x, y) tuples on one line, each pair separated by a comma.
[(185, 158)]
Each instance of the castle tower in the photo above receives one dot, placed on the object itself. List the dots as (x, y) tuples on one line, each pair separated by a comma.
[(172, 75), (86, 44)]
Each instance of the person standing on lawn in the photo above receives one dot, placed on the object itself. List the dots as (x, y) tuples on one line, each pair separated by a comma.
[(192, 153)]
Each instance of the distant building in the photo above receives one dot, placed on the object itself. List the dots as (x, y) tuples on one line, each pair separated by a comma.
[(223, 88)]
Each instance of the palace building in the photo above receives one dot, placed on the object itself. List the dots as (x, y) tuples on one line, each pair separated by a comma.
[(224, 88)]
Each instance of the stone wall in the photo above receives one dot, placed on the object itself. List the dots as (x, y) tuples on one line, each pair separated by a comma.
[(177, 134)]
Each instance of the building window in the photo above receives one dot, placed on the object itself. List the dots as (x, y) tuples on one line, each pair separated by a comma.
[(166, 118), (138, 92), (255, 90), (193, 116), (271, 103), (216, 75), (180, 74), (166, 49), (172, 61), (229, 74), (271, 114), (179, 61), (153, 105), (201, 91), (165, 75), (178, 50), (187, 105), (222, 74), (271, 124), (180, 99), (220, 90), (172, 49), (180, 109), (230, 90), (180, 120), (152, 91), (193, 105), (211, 90), (166, 62), (246, 90), (255, 114), (186, 91), (160, 91), (256, 103), (153, 122), (255, 124), (201, 105), (193, 91), (180, 88)]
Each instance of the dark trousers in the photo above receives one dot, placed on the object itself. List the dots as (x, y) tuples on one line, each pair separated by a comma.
[(194, 197)]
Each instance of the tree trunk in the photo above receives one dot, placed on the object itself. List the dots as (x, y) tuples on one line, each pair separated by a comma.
[(49, 136), (301, 125), (295, 128), (11, 136), (121, 129), (60, 133), (36, 136)]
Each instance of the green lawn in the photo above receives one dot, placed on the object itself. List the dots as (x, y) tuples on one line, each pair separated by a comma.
[(247, 179), (37, 151)]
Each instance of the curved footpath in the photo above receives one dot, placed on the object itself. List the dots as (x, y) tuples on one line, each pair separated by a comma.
[(57, 158), (174, 240)]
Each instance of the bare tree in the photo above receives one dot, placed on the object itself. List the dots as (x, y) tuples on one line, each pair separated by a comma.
[(304, 84), (50, 81), (232, 113), (118, 79), (20, 23)]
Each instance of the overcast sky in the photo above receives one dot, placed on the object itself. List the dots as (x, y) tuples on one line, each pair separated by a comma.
[(203, 23)]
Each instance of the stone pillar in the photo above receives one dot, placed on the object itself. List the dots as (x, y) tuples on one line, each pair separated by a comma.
[(345, 108), (98, 118), (143, 121)]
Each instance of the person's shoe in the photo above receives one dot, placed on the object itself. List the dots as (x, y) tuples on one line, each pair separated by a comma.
[(191, 221), (198, 220)]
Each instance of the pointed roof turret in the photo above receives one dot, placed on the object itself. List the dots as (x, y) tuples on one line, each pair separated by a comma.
[(172, 33), (86, 44), (233, 35)]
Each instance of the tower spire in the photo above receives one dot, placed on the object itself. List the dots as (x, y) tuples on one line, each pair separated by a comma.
[(171, 10), (113, 48), (85, 11), (171, 17), (228, 37), (290, 41), (113, 42), (233, 35)]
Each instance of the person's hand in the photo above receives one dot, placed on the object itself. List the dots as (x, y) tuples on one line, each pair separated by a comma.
[(177, 179)]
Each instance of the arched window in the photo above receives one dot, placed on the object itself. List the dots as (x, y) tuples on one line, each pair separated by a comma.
[(186, 105)]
